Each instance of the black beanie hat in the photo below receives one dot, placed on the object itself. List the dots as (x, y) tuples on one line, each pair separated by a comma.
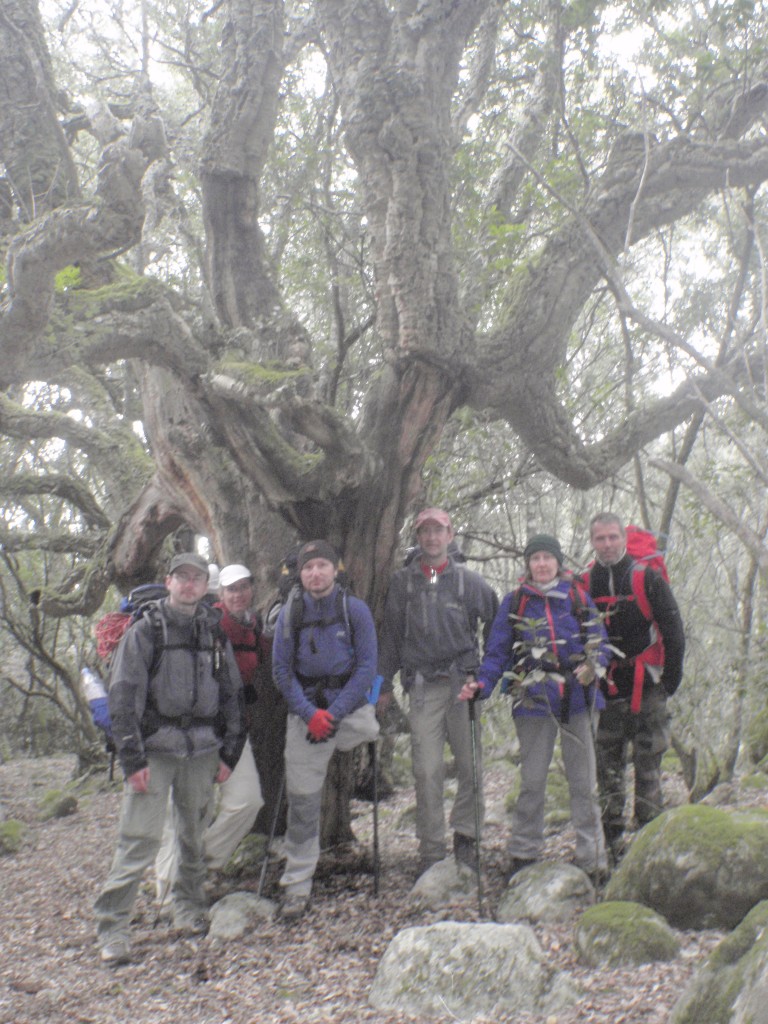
[(316, 549), (544, 542)]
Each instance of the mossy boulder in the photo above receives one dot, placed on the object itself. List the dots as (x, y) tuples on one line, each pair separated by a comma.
[(546, 891), (56, 803), (700, 867), (619, 934), (248, 858), (12, 834), (732, 986)]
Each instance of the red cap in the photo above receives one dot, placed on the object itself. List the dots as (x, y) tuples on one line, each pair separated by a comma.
[(432, 515)]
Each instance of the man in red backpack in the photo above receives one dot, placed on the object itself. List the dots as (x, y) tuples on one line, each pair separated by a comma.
[(644, 624), (178, 728)]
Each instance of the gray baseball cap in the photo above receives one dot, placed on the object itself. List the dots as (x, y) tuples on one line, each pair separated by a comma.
[(190, 558)]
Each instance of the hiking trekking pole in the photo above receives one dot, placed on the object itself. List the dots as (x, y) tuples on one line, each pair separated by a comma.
[(476, 794), (374, 758), (373, 696), (271, 836)]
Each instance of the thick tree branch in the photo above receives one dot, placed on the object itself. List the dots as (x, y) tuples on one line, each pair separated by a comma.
[(62, 238), (24, 485), (730, 519), (58, 542), (36, 157), (239, 276)]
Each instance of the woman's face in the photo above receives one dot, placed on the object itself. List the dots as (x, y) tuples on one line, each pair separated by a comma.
[(542, 566)]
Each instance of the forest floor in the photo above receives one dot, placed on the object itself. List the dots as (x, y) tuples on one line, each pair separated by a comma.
[(318, 969)]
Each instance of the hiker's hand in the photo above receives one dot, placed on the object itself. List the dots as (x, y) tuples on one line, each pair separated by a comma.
[(223, 773), (585, 673), (470, 689), (321, 726), (139, 781)]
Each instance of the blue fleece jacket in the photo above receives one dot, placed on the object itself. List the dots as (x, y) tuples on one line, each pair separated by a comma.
[(325, 649), (549, 638)]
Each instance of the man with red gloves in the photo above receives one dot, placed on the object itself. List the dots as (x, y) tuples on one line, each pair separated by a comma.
[(324, 662)]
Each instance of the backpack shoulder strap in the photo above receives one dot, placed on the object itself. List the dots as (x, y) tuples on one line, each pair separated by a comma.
[(342, 608), (579, 591), (578, 594), (639, 590), (518, 603), (293, 614), (159, 634), (461, 580), (293, 620)]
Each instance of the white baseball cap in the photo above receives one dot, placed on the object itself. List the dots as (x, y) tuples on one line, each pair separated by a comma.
[(232, 574)]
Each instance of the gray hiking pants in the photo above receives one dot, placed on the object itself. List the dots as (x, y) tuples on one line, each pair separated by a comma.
[(436, 715), (190, 781), (537, 735), (306, 765)]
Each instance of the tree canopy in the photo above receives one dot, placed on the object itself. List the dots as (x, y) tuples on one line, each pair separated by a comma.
[(259, 255)]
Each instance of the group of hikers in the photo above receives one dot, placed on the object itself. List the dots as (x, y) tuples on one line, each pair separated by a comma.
[(590, 659)]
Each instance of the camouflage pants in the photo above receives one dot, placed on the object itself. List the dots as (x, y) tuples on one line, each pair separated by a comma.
[(644, 737)]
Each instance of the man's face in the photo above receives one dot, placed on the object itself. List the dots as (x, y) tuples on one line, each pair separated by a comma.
[(609, 541), (318, 576), (187, 586), (238, 597), (434, 540)]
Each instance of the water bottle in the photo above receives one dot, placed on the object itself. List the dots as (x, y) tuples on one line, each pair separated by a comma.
[(92, 684)]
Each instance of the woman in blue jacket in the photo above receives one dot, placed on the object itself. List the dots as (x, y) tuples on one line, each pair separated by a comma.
[(549, 644)]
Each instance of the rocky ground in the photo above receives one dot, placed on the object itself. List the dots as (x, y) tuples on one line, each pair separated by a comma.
[(317, 970)]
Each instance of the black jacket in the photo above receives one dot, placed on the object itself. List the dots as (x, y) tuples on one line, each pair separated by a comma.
[(629, 631)]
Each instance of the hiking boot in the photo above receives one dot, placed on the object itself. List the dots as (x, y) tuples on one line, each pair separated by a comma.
[(464, 850), (114, 953), (294, 907), (517, 864), (615, 841)]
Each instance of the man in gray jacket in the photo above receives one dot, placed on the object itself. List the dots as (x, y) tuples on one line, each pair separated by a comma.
[(176, 704), (433, 611)]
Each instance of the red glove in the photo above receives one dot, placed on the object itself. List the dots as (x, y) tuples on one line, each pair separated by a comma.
[(321, 726)]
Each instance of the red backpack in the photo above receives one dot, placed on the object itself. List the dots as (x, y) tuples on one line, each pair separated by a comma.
[(642, 547), (109, 630)]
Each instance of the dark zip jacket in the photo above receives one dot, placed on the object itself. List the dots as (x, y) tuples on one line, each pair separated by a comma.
[(630, 632), (431, 627)]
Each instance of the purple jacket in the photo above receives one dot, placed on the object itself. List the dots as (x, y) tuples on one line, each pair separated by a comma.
[(549, 636)]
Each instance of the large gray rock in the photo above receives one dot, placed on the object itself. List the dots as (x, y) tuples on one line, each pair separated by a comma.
[(237, 913), (469, 970), (732, 987), (445, 884), (622, 934), (546, 892), (700, 867)]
